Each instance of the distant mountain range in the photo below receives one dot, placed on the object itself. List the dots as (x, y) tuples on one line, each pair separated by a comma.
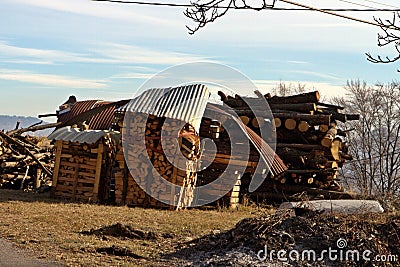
[(8, 123)]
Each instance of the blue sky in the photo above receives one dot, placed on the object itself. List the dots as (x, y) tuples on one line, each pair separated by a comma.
[(50, 49)]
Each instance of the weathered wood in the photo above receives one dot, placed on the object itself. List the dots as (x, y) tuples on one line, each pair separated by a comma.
[(329, 136), (301, 107), (9, 164), (311, 119), (303, 126), (245, 119), (311, 97), (277, 122), (300, 146), (58, 146), (290, 124)]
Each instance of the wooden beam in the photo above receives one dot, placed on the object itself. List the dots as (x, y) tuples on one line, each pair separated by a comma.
[(59, 146), (98, 171)]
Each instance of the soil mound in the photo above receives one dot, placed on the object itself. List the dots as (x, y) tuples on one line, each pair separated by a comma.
[(122, 231), (378, 233)]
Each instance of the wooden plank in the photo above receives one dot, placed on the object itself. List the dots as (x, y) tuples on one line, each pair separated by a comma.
[(71, 180), (81, 166), (72, 172), (57, 163), (98, 171)]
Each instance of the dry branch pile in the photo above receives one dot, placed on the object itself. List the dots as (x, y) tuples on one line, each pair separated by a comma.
[(308, 139), (25, 162), (378, 234), (155, 149)]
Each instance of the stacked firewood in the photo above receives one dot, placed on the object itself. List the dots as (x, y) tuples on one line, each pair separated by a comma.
[(82, 172), (156, 151), (308, 139), (25, 162)]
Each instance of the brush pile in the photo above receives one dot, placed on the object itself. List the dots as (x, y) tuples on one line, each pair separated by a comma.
[(25, 162), (312, 232)]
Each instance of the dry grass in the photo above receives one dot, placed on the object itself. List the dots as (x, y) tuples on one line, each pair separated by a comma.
[(52, 228)]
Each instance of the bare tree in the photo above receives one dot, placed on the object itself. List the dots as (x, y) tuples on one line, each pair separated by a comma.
[(375, 140), (390, 36), (285, 89)]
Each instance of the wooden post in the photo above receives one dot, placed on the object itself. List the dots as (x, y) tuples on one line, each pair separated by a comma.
[(234, 198), (59, 145), (98, 171), (38, 175)]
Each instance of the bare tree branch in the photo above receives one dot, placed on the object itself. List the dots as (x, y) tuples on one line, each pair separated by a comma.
[(204, 12), (390, 36)]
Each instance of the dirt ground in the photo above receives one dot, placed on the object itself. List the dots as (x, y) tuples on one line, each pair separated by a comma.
[(66, 232), (76, 234)]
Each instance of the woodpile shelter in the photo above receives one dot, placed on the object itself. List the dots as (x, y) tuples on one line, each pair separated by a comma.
[(154, 150), (83, 162), (159, 152)]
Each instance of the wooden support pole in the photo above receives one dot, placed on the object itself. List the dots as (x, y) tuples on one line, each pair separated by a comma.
[(98, 171), (59, 147)]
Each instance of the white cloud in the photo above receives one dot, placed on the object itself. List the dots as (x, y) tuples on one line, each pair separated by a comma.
[(42, 56), (108, 53), (136, 54), (140, 76), (50, 80), (98, 9), (316, 74)]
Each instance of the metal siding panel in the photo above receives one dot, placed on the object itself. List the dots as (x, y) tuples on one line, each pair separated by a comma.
[(75, 135), (186, 103), (102, 120), (78, 108)]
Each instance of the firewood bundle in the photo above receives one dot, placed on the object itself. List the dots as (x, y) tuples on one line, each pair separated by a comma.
[(82, 171), (24, 162), (308, 138), (156, 151)]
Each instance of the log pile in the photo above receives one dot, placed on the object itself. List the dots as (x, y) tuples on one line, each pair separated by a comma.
[(155, 151), (82, 172), (25, 162), (308, 138), (220, 158)]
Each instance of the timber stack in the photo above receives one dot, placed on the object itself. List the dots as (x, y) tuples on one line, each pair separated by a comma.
[(234, 153), (83, 163), (152, 151), (307, 133), (25, 162)]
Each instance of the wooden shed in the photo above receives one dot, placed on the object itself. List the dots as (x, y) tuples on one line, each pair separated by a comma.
[(83, 164)]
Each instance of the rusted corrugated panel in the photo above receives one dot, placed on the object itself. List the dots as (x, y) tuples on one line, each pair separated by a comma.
[(77, 108), (185, 103), (75, 135), (102, 120), (268, 155)]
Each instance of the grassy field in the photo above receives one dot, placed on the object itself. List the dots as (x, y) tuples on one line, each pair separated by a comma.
[(52, 229)]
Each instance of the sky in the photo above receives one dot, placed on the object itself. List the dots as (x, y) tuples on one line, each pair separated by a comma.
[(51, 49)]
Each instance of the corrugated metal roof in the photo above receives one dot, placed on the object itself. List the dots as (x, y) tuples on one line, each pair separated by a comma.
[(103, 119), (75, 135), (76, 109), (186, 103)]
